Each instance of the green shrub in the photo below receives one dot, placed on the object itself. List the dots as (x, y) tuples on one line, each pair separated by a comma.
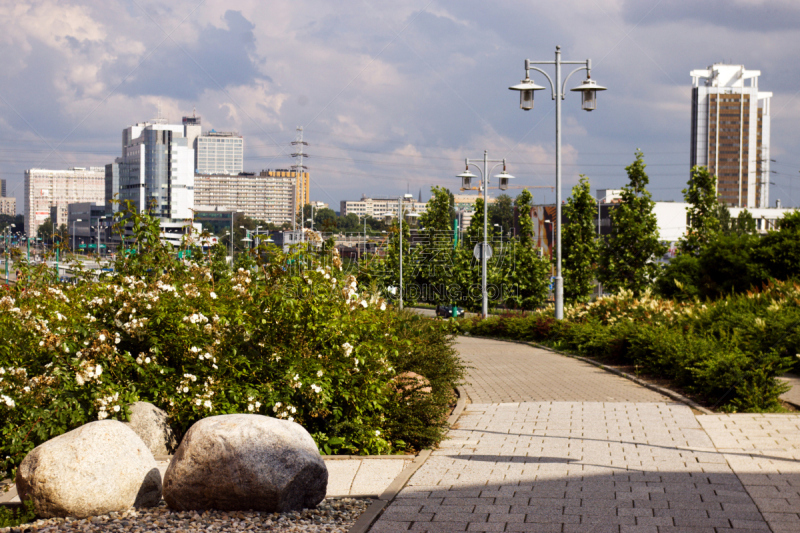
[(284, 335)]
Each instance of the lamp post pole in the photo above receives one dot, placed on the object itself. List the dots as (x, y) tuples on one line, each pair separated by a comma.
[(588, 91), (400, 221), (73, 233), (466, 176)]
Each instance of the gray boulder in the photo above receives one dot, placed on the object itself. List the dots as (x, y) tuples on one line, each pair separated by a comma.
[(150, 423), (241, 462), (98, 468)]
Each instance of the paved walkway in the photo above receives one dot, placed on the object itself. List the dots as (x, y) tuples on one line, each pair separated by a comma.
[(537, 452)]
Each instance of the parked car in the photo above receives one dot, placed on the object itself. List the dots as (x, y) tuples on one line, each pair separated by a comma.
[(449, 311)]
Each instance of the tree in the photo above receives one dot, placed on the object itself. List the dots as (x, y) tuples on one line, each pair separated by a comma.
[(45, 230), (580, 243), (502, 212), (779, 251), (525, 271), (627, 256), (436, 249), (703, 213)]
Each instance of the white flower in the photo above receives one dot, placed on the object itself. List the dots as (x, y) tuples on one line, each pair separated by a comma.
[(146, 359), (116, 340), (102, 338), (194, 349), (116, 408), (98, 370), (348, 349), (213, 295), (207, 404), (186, 389), (101, 415), (319, 373), (316, 388), (290, 419), (363, 303), (41, 343), (8, 401), (66, 349), (377, 433), (383, 306), (250, 407), (258, 405)]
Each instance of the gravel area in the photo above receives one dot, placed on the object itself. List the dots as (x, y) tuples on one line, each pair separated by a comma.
[(331, 516)]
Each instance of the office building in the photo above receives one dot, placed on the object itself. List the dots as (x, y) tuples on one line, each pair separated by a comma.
[(381, 206), (156, 171), (112, 204), (215, 152), (731, 133), (58, 216), (47, 188), (84, 222), (267, 196), (8, 206), (3, 188)]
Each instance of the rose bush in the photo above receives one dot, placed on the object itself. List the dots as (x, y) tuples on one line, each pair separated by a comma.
[(284, 335)]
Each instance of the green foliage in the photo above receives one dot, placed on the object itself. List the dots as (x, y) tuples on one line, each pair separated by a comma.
[(525, 273), (501, 212), (627, 256), (293, 337), (703, 213), (10, 517), (779, 251), (580, 243), (728, 353), (436, 250)]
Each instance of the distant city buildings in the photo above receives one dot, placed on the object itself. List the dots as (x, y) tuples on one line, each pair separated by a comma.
[(8, 206), (266, 196), (464, 204), (381, 206), (46, 188), (2, 188), (215, 152), (731, 133)]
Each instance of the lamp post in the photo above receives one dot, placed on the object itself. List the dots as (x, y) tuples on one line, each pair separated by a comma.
[(8, 235), (501, 234), (400, 225), (588, 90), (73, 233), (466, 179)]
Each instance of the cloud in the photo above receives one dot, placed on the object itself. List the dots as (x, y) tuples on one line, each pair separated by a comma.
[(761, 16)]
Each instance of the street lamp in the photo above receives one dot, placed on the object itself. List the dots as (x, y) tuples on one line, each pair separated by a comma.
[(588, 90), (8, 235), (466, 180), (388, 215)]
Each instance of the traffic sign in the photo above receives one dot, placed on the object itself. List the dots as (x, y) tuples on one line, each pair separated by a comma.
[(476, 252)]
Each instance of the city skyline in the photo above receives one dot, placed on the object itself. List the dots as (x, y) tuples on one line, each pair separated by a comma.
[(390, 99)]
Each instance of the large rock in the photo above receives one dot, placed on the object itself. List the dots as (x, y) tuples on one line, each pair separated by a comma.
[(241, 462), (152, 426), (98, 468)]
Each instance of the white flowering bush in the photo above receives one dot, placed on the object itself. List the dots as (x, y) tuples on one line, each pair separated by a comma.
[(281, 335)]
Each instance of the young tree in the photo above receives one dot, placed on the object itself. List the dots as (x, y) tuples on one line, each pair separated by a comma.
[(627, 258), (580, 243), (703, 213), (525, 272), (436, 248), (501, 212)]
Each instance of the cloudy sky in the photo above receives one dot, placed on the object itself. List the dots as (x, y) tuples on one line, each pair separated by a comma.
[(392, 95)]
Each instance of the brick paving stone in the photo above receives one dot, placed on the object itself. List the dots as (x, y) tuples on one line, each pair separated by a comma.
[(764, 451), (512, 372), (552, 444)]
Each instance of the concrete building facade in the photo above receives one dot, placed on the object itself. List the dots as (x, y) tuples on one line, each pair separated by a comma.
[(219, 153), (46, 188), (731, 133), (8, 206), (379, 206), (267, 196)]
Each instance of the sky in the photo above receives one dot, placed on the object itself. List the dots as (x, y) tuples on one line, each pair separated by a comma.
[(392, 95)]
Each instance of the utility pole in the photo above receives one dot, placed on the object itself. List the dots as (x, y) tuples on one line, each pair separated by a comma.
[(299, 171)]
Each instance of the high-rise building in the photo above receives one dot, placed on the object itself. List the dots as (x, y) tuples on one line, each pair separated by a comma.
[(731, 133), (156, 171), (215, 152), (380, 206), (3, 188), (267, 196), (47, 188)]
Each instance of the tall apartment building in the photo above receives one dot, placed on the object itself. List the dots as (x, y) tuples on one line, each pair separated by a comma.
[(156, 171), (47, 188), (3, 188), (378, 207), (267, 196), (215, 152), (8, 206), (731, 133)]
